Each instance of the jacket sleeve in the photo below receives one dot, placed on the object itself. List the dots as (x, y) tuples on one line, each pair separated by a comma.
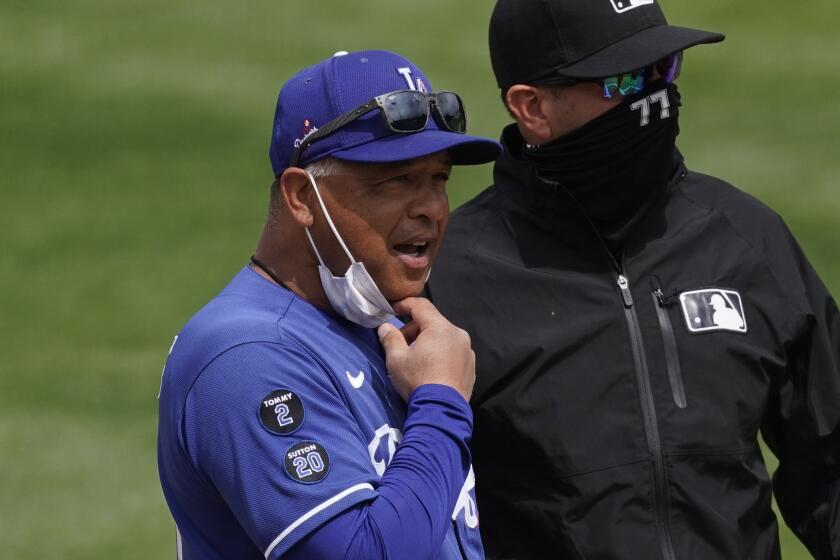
[(416, 496), (802, 426)]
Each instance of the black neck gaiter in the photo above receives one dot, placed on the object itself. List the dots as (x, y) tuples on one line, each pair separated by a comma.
[(616, 166)]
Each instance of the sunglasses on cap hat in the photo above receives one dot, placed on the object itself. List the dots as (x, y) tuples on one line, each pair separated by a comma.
[(404, 111), (630, 82)]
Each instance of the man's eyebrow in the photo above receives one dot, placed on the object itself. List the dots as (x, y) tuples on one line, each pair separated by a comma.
[(391, 166), (396, 166)]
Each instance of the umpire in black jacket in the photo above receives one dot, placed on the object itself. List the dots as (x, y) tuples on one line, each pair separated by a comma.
[(635, 323)]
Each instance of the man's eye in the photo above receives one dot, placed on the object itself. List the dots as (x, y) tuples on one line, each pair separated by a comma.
[(396, 180)]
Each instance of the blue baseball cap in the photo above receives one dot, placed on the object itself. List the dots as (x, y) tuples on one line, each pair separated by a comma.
[(320, 93)]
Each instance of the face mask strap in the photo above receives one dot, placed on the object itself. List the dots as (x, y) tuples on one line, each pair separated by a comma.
[(314, 248), (329, 221)]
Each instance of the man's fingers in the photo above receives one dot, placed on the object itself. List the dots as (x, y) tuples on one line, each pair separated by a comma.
[(410, 331), (422, 312), (391, 338)]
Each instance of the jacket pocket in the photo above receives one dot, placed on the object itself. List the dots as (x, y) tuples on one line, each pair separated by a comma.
[(672, 356)]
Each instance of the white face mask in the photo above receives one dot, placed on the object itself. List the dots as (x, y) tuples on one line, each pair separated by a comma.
[(355, 295)]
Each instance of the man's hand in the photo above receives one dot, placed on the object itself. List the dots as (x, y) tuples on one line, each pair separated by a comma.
[(439, 353)]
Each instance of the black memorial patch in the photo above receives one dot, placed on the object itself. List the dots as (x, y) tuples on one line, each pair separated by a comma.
[(281, 412), (307, 462)]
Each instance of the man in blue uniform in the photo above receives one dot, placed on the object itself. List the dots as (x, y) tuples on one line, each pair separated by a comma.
[(285, 430)]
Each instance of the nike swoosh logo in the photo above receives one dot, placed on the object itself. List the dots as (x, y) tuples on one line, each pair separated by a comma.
[(356, 380)]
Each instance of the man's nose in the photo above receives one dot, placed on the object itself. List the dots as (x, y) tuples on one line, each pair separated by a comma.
[(432, 202)]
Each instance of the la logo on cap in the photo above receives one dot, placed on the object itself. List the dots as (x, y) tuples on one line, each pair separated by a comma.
[(622, 6)]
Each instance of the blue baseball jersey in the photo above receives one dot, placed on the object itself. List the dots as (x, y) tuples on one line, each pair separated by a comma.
[(274, 418)]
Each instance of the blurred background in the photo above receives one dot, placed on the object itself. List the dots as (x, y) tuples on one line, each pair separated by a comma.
[(134, 180)]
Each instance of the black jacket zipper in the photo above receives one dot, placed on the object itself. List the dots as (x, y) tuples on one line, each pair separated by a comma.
[(660, 488), (660, 485), (672, 356)]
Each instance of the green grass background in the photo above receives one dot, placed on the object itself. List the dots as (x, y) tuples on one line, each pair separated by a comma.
[(133, 184)]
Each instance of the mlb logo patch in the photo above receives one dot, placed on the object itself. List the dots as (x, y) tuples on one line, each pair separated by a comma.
[(622, 6), (713, 310)]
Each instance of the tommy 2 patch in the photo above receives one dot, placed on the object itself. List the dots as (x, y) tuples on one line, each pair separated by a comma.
[(281, 412)]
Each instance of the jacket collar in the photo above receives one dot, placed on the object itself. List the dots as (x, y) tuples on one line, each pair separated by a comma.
[(546, 201)]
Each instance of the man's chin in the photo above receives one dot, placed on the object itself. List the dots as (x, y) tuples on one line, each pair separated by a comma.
[(404, 289)]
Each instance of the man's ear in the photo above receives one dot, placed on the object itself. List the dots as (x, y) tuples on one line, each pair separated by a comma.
[(526, 106), (298, 195)]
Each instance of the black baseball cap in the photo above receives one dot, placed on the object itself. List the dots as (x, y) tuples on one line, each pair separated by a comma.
[(540, 41)]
